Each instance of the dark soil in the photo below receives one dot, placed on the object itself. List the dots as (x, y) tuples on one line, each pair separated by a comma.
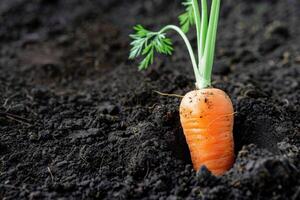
[(79, 121)]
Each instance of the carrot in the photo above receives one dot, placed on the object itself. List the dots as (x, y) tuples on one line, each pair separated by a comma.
[(207, 119), (206, 114)]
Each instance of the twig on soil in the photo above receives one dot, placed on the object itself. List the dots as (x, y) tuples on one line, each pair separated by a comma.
[(5, 103), (169, 95), (153, 106), (15, 118), (148, 169), (9, 186), (101, 164), (8, 99), (31, 98), (81, 154), (51, 175), (14, 187)]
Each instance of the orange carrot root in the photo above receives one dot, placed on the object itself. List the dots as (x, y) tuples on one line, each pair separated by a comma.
[(207, 119)]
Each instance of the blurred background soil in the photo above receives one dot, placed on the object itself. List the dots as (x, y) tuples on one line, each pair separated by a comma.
[(79, 121)]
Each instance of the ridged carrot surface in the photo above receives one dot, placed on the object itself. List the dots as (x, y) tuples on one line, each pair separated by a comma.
[(207, 116)]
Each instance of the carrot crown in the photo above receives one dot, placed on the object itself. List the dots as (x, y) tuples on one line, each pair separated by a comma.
[(146, 43)]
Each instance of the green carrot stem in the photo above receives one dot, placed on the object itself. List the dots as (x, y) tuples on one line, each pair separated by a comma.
[(209, 52), (190, 50), (198, 27), (203, 28)]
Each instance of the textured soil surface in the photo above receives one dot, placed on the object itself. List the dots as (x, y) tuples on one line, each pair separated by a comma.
[(79, 121)]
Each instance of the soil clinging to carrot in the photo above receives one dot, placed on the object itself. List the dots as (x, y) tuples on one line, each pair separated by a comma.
[(77, 120)]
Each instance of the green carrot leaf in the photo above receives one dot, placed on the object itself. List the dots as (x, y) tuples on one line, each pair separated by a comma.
[(187, 19), (145, 43)]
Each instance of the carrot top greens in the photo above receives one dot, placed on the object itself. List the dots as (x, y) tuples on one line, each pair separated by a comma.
[(146, 43)]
